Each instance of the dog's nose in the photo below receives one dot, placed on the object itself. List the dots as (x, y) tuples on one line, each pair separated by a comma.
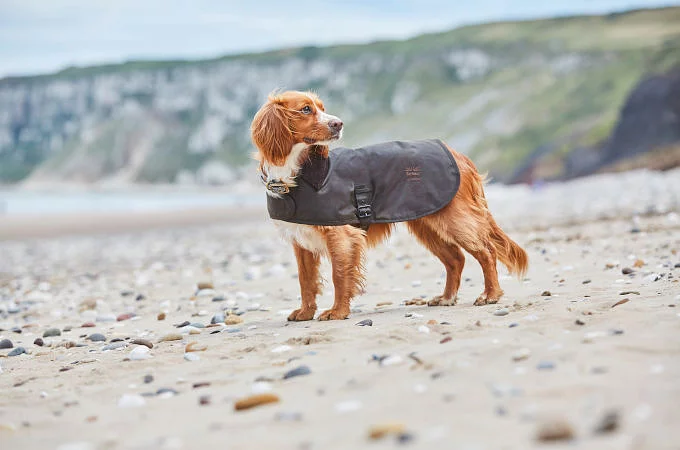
[(335, 125)]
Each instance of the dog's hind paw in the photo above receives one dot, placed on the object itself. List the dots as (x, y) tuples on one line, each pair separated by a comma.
[(301, 314), (440, 300), (333, 314), (486, 299)]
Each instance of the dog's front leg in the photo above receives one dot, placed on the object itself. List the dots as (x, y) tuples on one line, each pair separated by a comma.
[(310, 283), (346, 248)]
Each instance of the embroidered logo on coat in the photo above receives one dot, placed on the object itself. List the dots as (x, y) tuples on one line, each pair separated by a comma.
[(413, 173)]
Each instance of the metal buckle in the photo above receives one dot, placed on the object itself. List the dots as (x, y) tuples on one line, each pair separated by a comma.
[(277, 187), (364, 211)]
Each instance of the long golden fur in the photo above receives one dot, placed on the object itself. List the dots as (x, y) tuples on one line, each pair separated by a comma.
[(292, 124)]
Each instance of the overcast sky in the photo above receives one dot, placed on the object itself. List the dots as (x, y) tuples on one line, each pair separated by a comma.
[(38, 36)]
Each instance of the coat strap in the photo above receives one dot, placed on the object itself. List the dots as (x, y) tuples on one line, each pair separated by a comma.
[(364, 197)]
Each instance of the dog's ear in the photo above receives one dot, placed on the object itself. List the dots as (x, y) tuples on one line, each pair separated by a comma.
[(271, 133)]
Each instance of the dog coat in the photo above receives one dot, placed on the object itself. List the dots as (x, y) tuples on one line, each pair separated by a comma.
[(383, 183)]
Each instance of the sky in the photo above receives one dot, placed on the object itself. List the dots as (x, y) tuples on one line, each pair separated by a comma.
[(42, 36)]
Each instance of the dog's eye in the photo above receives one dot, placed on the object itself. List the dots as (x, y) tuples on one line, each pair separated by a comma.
[(306, 110)]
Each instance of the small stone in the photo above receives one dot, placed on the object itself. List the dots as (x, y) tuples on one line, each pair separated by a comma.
[(365, 323), (191, 357), (171, 337), (586, 281), (405, 438), (609, 423), (125, 316), (114, 346), (283, 416), (638, 263), (423, 329), (217, 318), (281, 349), (166, 392), (521, 354), (546, 293), (140, 353), (219, 298), (131, 401), (183, 324), (144, 342), (160, 316), (621, 302), (255, 400), (204, 400), (390, 360), (17, 351), (232, 319), (88, 325), (96, 337), (383, 430), (513, 325), (302, 370), (39, 342), (652, 277), (195, 347), (627, 271), (126, 293), (579, 322), (556, 430), (446, 339), (16, 330), (381, 304), (616, 331), (148, 379), (501, 312), (545, 365), (140, 297), (205, 285), (106, 318), (52, 332), (6, 343)]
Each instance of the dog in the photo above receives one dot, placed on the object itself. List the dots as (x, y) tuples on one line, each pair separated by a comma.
[(289, 128)]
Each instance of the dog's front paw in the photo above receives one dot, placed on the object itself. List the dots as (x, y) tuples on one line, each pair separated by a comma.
[(333, 314), (301, 314), (440, 300)]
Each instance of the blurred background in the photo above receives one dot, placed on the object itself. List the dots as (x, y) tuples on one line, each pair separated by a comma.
[(146, 106)]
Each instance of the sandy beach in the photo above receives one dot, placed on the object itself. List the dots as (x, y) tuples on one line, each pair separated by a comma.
[(585, 350)]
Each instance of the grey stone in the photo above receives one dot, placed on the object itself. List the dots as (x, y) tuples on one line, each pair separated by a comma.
[(6, 343), (299, 371), (52, 332), (365, 323), (96, 337), (501, 312), (17, 351)]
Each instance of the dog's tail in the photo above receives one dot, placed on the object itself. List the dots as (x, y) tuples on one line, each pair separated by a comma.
[(508, 251)]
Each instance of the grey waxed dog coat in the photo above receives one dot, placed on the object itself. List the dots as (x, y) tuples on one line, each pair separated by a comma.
[(383, 183)]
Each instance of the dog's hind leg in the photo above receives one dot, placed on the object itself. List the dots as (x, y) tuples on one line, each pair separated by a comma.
[(346, 248), (310, 283), (448, 253)]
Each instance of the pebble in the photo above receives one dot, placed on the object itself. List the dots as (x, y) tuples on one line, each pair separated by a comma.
[(191, 357), (380, 431), (39, 342), (260, 387), (521, 354), (390, 360), (284, 416), (52, 332), (96, 337), (160, 316), (183, 324), (195, 347), (651, 278), (446, 339), (114, 346), (16, 330), (17, 351), (365, 323), (348, 406), (140, 353), (106, 318), (501, 312), (579, 322), (545, 365), (144, 342), (204, 400), (166, 392), (423, 329), (556, 430), (281, 349), (131, 401), (513, 325), (302, 370), (190, 330), (546, 294), (627, 271), (88, 325), (6, 343), (255, 400), (381, 304), (608, 423), (148, 379), (232, 319), (125, 316), (204, 285), (217, 318)]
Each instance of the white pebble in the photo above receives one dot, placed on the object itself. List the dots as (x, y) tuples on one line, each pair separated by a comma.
[(191, 356), (348, 406), (139, 353), (521, 354), (392, 360), (423, 329), (281, 349), (261, 387), (131, 401)]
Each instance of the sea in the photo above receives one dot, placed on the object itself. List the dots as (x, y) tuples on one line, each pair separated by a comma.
[(22, 202)]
